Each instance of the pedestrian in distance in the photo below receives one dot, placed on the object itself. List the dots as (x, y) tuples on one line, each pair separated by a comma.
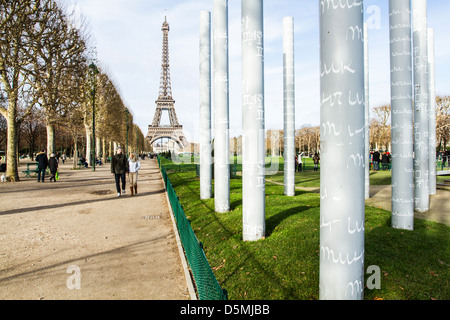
[(53, 166), (300, 162), (316, 160), (385, 161), (134, 165), (119, 167), (376, 160), (42, 160)]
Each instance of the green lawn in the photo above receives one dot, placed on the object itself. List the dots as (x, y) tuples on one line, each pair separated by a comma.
[(285, 265), (312, 179)]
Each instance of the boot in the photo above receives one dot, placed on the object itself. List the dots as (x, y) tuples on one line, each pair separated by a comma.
[(135, 189), (131, 189)]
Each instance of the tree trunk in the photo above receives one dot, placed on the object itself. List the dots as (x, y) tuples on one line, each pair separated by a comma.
[(88, 145), (104, 150), (50, 138), (12, 172), (75, 153), (97, 148)]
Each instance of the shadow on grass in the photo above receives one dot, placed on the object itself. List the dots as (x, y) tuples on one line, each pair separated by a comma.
[(275, 220), (414, 264)]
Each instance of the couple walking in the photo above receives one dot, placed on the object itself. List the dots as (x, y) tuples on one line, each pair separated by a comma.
[(120, 166), (43, 163)]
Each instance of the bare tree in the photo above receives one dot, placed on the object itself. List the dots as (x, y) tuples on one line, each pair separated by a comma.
[(16, 21), (443, 121), (380, 126), (58, 51), (32, 129)]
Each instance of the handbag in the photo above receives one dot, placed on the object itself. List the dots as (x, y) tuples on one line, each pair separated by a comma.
[(57, 175)]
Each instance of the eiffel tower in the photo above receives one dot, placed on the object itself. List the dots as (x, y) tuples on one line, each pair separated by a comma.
[(166, 102)]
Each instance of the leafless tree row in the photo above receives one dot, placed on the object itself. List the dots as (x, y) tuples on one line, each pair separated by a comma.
[(307, 139), (380, 125), (46, 86)]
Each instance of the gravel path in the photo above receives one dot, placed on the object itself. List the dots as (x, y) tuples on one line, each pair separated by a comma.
[(75, 239)]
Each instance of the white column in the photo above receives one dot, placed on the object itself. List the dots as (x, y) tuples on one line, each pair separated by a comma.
[(401, 115), (366, 113), (221, 108), (253, 135), (289, 106), (342, 143), (205, 106), (421, 106), (432, 109)]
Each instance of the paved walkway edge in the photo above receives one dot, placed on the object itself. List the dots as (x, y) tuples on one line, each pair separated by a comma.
[(187, 273)]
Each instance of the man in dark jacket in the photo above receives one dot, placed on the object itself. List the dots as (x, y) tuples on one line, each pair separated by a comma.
[(42, 161), (376, 160), (119, 167)]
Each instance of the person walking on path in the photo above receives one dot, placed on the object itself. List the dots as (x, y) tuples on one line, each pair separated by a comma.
[(134, 165), (119, 167), (316, 160), (42, 160), (53, 166)]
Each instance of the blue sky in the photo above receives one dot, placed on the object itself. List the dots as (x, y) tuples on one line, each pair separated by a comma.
[(129, 42)]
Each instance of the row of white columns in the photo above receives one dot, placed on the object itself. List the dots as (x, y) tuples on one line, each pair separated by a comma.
[(253, 125), (413, 111), (344, 126)]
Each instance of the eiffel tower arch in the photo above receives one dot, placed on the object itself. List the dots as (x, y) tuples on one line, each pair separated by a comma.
[(166, 103)]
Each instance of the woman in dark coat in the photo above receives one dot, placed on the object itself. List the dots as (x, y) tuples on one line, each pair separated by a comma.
[(53, 166)]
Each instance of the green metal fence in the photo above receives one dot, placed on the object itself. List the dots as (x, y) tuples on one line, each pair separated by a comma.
[(208, 288)]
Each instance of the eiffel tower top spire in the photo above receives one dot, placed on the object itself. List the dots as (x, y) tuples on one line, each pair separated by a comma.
[(165, 88)]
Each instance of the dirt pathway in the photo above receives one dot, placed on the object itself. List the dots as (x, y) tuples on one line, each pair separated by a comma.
[(380, 196), (76, 233)]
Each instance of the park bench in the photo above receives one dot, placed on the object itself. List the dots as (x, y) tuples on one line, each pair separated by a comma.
[(33, 170)]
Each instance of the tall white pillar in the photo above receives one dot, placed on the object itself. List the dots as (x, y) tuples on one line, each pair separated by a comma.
[(289, 106), (342, 204), (432, 110), (221, 108), (401, 115), (253, 127), (366, 114), (421, 106), (205, 106)]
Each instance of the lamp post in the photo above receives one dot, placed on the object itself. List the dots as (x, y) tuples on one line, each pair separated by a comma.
[(93, 72)]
